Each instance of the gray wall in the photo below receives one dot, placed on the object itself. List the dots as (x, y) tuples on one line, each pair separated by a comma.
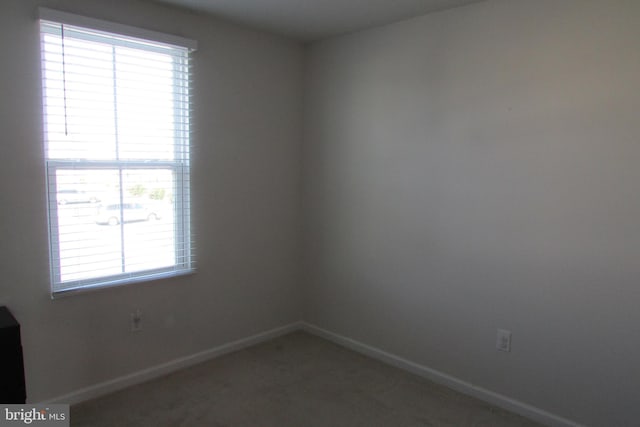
[(478, 169), (246, 167)]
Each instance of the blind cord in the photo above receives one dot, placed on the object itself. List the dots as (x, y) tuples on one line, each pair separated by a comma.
[(64, 82)]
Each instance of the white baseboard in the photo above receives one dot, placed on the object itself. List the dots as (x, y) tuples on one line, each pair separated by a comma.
[(144, 375), (467, 388)]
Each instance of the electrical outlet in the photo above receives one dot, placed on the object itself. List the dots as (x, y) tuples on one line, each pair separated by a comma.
[(503, 340), (136, 321)]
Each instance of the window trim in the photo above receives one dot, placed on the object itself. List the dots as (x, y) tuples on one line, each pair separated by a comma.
[(113, 27), (180, 166)]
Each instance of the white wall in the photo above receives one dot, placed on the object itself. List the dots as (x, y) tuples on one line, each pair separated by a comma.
[(247, 94), (478, 169)]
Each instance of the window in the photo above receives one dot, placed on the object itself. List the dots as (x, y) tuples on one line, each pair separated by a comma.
[(116, 140)]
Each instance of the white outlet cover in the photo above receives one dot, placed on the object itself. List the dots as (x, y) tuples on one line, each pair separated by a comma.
[(136, 321), (503, 340)]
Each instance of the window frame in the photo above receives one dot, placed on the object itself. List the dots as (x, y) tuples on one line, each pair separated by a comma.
[(179, 165)]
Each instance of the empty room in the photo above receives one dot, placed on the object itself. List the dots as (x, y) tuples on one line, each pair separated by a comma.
[(320, 213)]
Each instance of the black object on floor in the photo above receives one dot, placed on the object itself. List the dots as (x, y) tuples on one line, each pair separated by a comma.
[(13, 389)]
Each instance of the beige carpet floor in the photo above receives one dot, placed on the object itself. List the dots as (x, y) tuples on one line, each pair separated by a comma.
[(296, 380)]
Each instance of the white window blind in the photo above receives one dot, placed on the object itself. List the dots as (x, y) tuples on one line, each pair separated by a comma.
[(117, 132)]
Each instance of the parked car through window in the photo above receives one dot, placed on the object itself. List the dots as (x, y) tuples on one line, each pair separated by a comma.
[(115, 213)]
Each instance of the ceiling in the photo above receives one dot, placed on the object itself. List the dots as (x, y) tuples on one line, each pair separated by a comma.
[(310, 20)]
